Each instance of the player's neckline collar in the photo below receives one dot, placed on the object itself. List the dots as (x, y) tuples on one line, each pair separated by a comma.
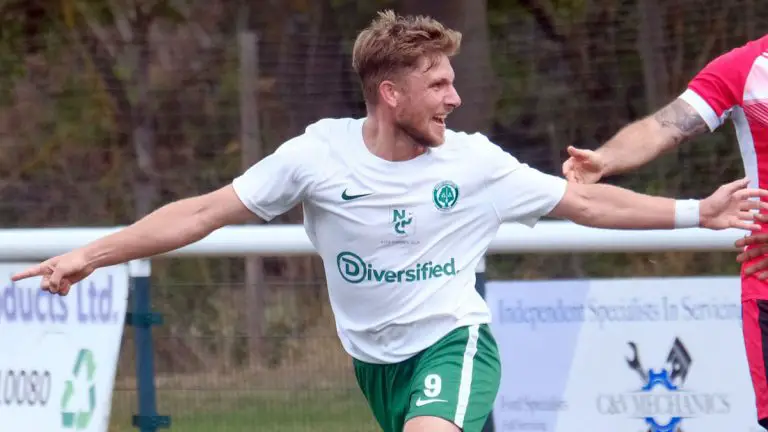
[(360, 147)]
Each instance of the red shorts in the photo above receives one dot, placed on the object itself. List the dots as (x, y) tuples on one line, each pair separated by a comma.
[(755, 328)]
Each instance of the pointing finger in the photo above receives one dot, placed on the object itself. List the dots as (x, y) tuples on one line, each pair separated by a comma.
[(33, 271)]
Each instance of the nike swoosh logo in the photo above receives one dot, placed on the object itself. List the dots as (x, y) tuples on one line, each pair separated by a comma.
[(346, 197), (420, 402)]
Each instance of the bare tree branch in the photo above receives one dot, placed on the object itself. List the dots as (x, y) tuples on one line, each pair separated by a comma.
[(541, 10), (104, 63)]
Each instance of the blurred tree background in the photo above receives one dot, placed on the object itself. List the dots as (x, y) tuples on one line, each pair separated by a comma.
[(111, 108)]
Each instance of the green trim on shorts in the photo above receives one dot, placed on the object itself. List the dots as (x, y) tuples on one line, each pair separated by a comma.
[(456, 379)]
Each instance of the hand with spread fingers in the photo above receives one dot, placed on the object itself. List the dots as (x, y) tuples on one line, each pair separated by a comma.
[(59, 273), (755, 246), (731, 206)]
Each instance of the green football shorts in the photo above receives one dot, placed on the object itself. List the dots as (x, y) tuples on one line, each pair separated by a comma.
[(456, 379)]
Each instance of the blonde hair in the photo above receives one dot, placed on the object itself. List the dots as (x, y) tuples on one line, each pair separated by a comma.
[(392, 44)]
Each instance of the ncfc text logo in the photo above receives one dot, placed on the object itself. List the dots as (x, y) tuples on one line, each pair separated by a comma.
[(662, 401), (355, 270)]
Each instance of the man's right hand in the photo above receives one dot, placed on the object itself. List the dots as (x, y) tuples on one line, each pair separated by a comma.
[(59, 273), (584, 166)]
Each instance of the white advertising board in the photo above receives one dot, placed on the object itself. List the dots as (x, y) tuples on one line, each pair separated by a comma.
[(621, 355), (58, 354)]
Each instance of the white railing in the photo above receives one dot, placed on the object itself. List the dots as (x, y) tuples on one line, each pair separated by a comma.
[(273, 240)]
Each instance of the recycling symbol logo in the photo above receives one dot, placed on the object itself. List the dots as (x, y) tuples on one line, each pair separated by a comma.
[(84, 370)]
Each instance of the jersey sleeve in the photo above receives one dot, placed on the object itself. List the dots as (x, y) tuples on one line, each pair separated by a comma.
[(719, 87), (518, 192), (279, 181)]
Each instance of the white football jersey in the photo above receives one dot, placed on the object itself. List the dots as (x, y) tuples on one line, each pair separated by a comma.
[(400, 241)]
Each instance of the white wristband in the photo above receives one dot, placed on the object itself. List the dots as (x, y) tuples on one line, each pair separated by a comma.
[(686, 214)]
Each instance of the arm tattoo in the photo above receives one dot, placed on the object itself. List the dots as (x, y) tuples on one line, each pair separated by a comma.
[(682, 118)]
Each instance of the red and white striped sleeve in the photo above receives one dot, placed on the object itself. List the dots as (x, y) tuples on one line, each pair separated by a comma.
[(719, 87)]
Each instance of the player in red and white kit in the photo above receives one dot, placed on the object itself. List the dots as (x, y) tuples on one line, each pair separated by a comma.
[(733, 86)]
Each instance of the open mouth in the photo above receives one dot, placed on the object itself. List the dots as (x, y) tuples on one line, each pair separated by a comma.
[(440, 120)]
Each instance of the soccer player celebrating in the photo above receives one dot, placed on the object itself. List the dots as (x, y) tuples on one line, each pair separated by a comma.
[(401, 210), (733, 86)]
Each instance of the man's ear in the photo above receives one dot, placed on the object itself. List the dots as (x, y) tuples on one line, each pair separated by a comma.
[(389, 93)]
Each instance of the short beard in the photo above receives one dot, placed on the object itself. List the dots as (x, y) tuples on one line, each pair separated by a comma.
[(419, 138)]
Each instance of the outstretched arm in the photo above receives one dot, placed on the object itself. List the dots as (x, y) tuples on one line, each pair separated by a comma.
[(523, 194), (636, 144), (606, 206), (644, 140), (170, 227), (270, 187), (702, 107)]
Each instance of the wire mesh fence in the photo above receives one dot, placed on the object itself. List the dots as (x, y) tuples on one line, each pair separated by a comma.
[(213, 374)]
